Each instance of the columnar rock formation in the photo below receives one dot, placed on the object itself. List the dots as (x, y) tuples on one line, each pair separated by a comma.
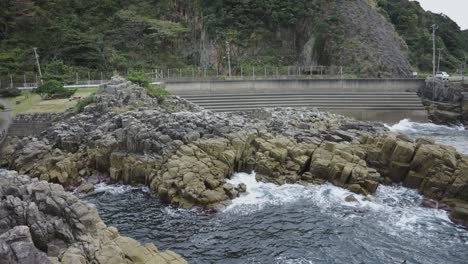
[(185, 154), (41, 223), (445, 102)]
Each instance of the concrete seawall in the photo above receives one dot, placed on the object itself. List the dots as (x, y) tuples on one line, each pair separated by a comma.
[(294, 86), (385, 100), (27, 129)]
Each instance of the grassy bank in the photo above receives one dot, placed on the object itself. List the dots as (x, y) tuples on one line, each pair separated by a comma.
[(33, 103)]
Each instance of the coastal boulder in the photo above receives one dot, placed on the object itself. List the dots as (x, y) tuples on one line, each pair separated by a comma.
[(41, 223)]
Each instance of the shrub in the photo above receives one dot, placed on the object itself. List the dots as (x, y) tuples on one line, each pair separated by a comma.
[(139, 78), (83, 103), (2, 107), (157, 91), (53, 89), (10, 92)]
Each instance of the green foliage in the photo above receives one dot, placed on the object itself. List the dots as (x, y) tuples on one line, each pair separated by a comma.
[(109, 35), (2, 107), (56, 71), (139, 78), (10, 92), (247, 18), (83, 103), (53, 89), (157, 91), (10, 61), (414, 25)]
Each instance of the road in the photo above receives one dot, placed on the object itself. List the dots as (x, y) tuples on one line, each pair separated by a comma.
[(5, 118)]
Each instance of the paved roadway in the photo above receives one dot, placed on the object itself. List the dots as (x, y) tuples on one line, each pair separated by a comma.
[(5, 118)]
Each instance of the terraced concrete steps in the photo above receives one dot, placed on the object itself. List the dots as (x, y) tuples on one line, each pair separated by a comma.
[(406, 101)]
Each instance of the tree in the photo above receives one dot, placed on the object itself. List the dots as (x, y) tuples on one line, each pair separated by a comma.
[(56, 71), (53, 89)]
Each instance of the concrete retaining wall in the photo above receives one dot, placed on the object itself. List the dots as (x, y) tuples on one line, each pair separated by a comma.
[(27, 129), (32, 124), (294, 86)]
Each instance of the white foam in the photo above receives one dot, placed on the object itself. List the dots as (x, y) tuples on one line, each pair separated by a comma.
[(400, 206), (407, 125), (284, 260), (117, 189)]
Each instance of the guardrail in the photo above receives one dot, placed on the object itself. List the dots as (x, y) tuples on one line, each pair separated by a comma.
[(85, 84)]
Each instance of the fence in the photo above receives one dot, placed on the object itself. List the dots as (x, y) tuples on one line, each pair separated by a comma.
[(82, 78), (30, 80), (249, 72)]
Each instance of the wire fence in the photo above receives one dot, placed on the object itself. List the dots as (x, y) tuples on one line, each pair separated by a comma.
[(30, 80), (251, 72)]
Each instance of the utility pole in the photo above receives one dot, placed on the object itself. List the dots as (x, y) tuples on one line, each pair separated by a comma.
[(438, 63), (228, 47), (38, 64), (434, 28)]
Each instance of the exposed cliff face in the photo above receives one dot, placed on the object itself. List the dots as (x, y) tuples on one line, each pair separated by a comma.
[(352, 34), (371, 43)]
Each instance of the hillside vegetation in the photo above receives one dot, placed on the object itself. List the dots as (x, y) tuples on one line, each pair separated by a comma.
[(414, 25), (125, 35)]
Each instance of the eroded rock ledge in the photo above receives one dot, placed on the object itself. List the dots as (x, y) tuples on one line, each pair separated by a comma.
[(185, 154), (41, 223)]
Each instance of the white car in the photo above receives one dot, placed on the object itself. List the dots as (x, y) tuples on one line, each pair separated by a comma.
[(442, 75)]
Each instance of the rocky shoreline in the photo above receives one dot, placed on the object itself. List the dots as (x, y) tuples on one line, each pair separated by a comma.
[(445, 102), (42, 223), (185, 154)]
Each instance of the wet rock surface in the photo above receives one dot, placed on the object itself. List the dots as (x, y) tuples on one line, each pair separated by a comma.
[(186, 154), (41, 223)]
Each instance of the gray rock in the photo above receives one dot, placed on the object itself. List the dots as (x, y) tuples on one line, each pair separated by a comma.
[(241, 188), (16, 246)]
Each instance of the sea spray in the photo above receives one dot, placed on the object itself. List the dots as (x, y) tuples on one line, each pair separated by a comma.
[(292, 224), (456, 136), (401, 206)]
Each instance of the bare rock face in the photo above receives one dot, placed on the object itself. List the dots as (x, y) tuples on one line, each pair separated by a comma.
[(41, 223), (371, 43), (16, 246), (444, 102)]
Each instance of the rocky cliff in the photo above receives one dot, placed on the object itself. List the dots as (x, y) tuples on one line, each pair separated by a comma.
[(446, 102), (185, 154), (42, 223), (352, 34)]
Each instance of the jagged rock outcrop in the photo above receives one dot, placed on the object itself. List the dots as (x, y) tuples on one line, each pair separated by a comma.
[(16, 246), (187, 155), (444, 102), (41, 223)]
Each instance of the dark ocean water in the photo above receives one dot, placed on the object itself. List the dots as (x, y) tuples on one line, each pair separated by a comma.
[(297, 224)]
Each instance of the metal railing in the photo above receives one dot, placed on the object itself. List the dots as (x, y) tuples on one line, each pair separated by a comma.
[(249, 73), (29, 81)]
